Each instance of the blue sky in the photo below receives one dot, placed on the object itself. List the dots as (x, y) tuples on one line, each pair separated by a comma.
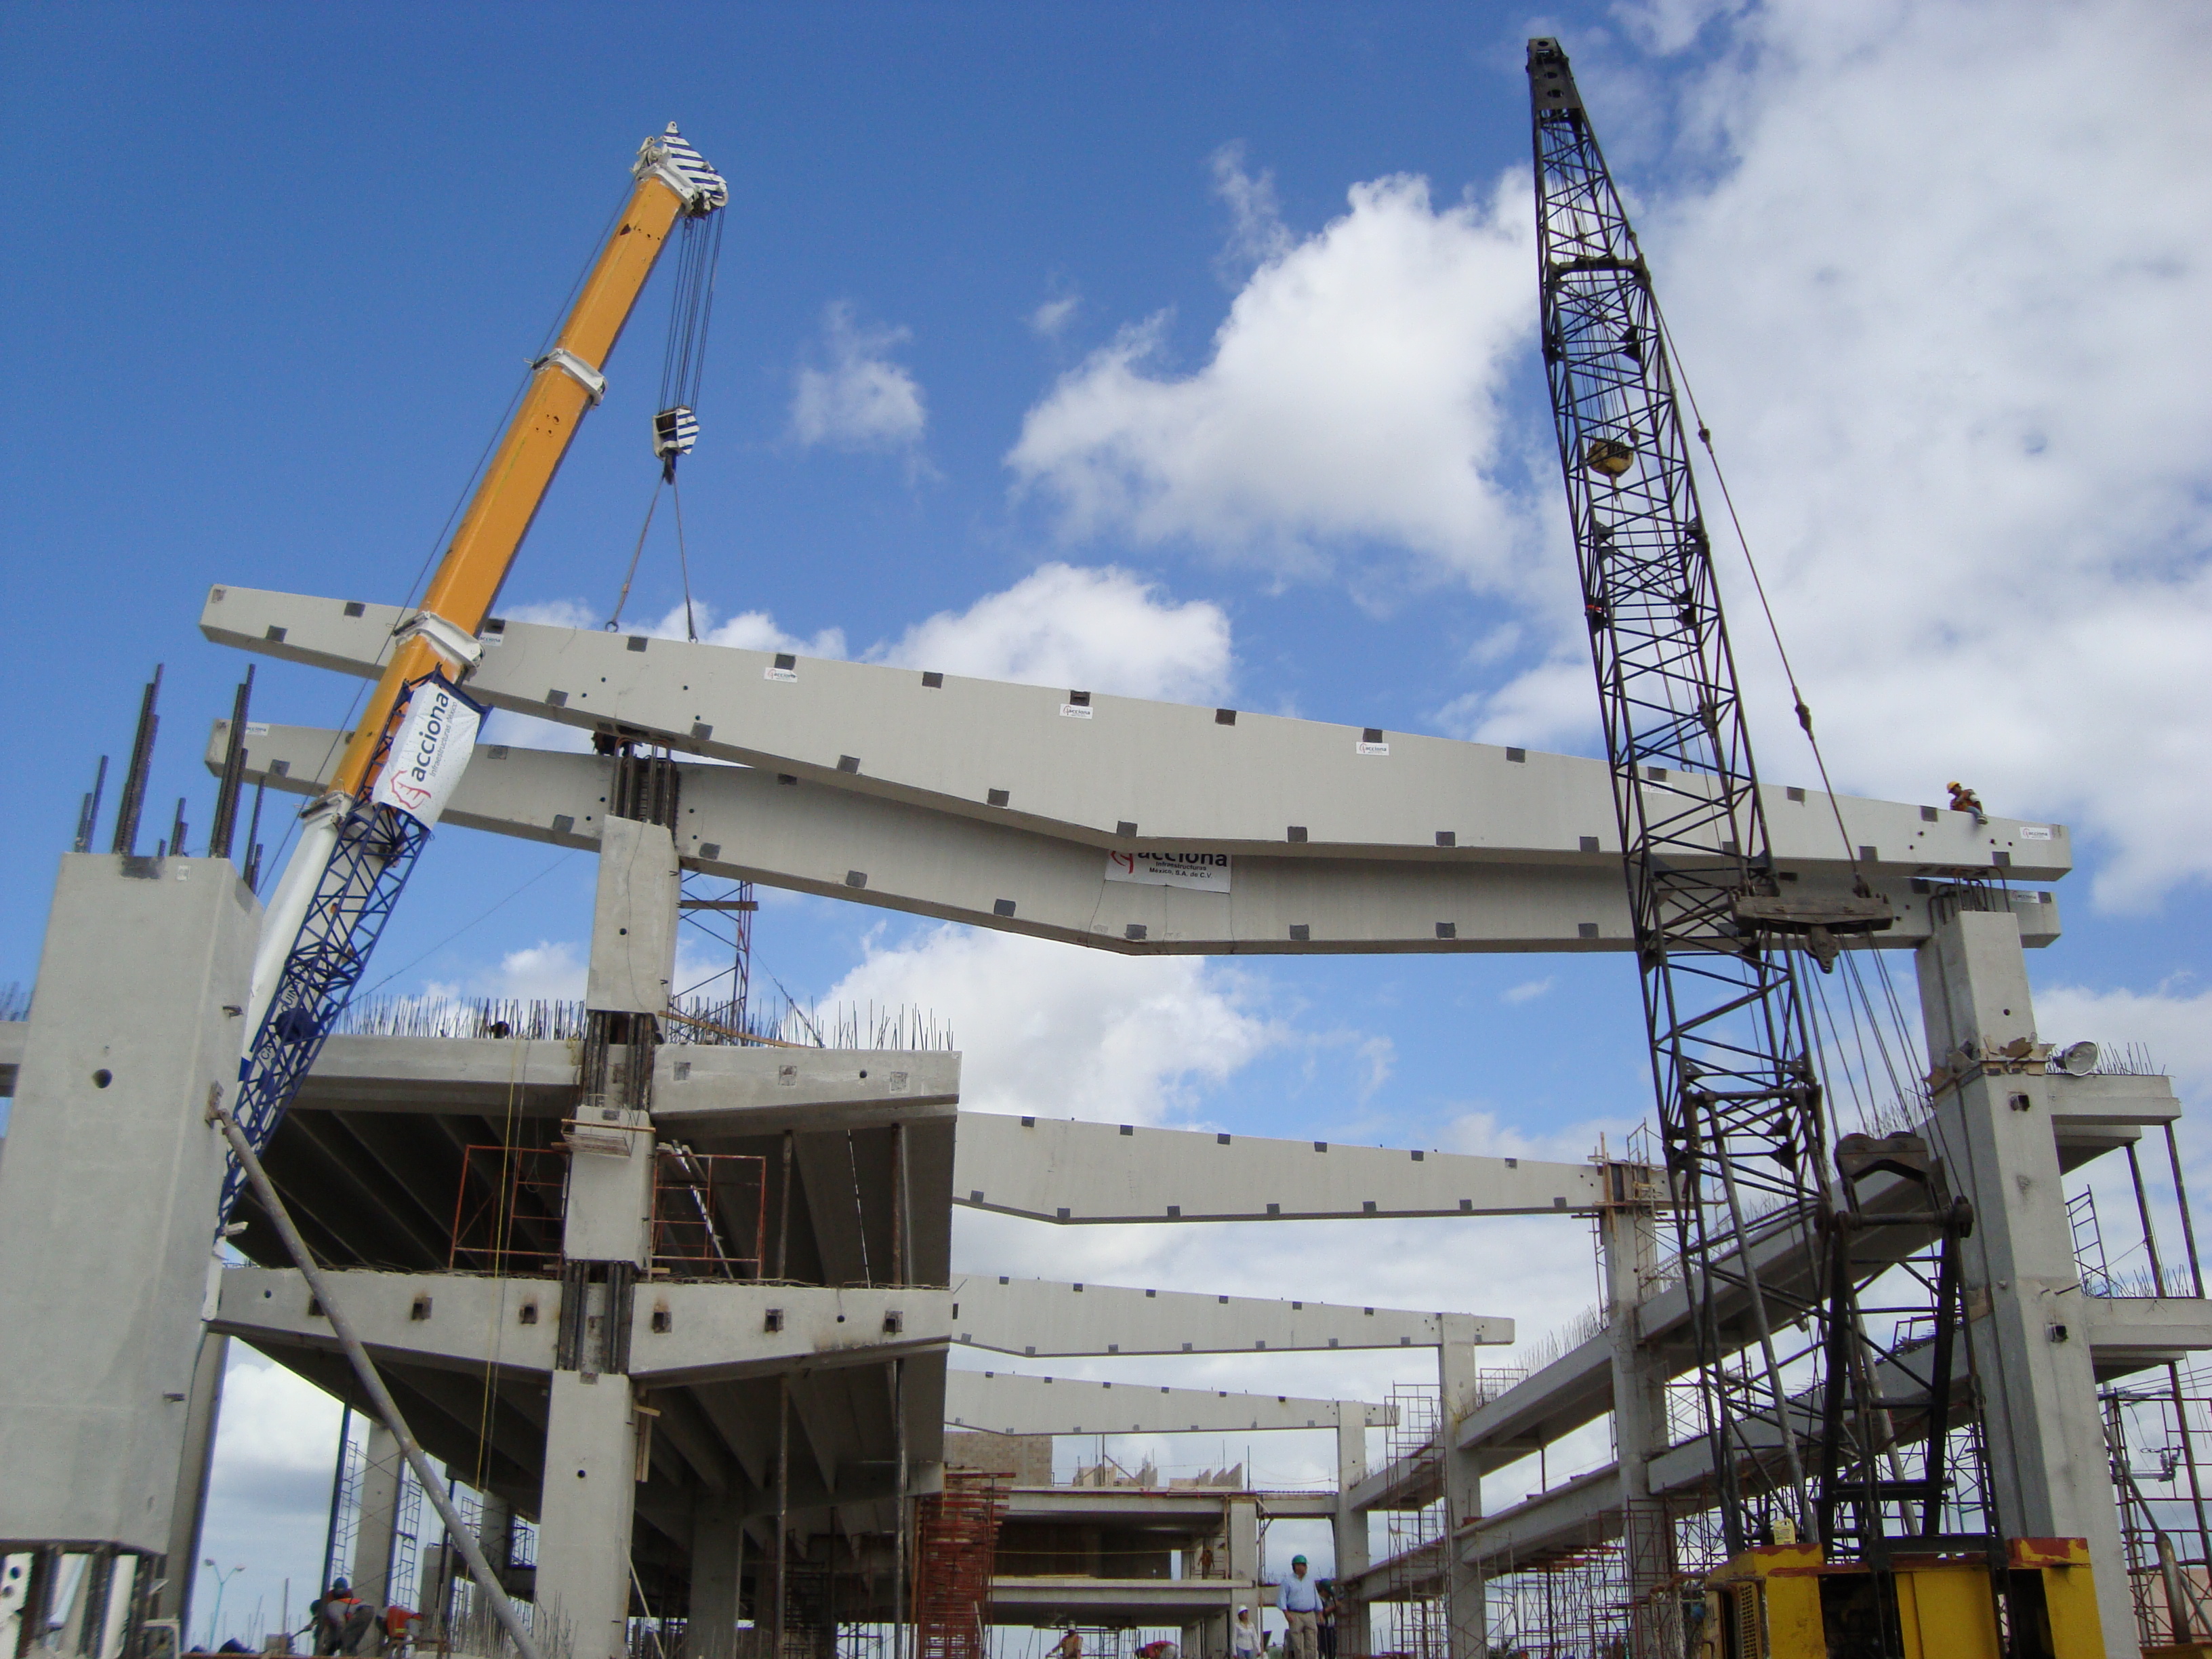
[(1188, 348)]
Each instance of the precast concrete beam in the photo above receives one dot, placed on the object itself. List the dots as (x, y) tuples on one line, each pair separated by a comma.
[(1057, 1169), (727, 1090), (697, 1331), (1131, 1601), (1004, 1403), (453, 1322), (1200, 1508), (1042, 1317), (1072, 763), (2131, 1333), (927, 858)]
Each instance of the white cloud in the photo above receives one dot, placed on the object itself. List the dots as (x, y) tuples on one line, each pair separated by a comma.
[(2173, 1024), (1942, 299), (1257, 234), (1527, 990), (1103, 630), (860, 399), (1051, 318), (1352, 392), (552, 970), (1060, 1032)]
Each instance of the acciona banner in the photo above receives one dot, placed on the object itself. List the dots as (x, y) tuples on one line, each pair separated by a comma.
[(437, 733), (1207, 871)]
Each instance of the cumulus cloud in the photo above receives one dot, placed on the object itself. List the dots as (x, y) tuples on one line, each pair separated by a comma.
[(1070, 1033), (1094, 630), (857, 398), (1352, 392), (1937, 290)]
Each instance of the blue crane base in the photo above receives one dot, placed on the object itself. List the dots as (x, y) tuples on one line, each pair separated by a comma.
[(375, 853)]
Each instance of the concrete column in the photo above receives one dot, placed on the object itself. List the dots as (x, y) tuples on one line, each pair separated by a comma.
[(1627, 1242), (1244, 1563), (717, 1544), (380, 1475), (496, 1533), (107, 1194), (590, 1479), (188, 1516), (591, 1487), (1352, 1638), (1465, 1619), (2024, 1298)]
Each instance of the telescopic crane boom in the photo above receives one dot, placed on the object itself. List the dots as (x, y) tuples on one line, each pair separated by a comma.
[(358, 842)]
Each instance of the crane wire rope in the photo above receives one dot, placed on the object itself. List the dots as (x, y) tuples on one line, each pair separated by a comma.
[(1804, 711), (461, 501)]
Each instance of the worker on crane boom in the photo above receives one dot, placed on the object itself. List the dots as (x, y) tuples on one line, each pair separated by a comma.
[(359, 841)]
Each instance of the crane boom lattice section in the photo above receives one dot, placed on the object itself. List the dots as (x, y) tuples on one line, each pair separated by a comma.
[(1738, 1098)]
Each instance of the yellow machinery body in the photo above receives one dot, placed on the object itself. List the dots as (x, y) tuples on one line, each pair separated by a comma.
[(1784, 1602)]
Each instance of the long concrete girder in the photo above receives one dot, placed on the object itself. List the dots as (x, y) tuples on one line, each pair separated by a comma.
[(680, 1333), (2089, 1115), (1064, 1170), (1335, 848), (1056, 1169), (785, 831), (1198, 1508), (1002, 1402), (1137, 1601), (1043, 1317)]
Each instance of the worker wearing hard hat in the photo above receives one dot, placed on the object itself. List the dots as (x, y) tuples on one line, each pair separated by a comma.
[(1300, 1600)]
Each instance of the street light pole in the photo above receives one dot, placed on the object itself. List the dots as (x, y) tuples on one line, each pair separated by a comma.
[(221, 1579)]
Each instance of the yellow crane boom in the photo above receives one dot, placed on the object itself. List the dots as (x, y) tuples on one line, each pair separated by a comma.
[(671, 181)]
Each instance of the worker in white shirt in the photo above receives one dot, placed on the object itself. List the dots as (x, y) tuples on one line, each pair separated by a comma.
[(1243, 1640), (1300, 1600)]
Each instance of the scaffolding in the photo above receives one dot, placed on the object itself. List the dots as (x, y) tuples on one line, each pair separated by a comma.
[(956, 1549), (1415, 1622)]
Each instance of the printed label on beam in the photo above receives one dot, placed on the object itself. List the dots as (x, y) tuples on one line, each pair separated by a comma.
[(1207, 871)]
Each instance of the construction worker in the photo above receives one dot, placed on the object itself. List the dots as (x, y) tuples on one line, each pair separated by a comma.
[(1300, 1600), (1243, 1640), (1329, 1605), (1964, 800)]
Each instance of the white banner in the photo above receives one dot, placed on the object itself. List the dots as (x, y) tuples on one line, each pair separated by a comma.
[(1207, 871), (437, 733)]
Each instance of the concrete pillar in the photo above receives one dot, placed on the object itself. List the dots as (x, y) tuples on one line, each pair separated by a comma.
[(1628, 1243), (108, 1191), (495, 1532), (188, 1515), (1243, 1563), (382, 1469), (584, 1538), (1465, 1619), (2024, 1300), (590, 1477), (1352, 1638), (718, 1546)]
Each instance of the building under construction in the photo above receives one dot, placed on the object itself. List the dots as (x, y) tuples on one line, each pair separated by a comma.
[(667, 1294)]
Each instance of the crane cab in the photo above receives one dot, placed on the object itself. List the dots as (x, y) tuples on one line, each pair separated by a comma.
[(1784, 1602)]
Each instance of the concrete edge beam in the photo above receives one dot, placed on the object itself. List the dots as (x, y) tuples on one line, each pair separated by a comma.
[(1050, 1318), (1003, 1403), (1088, 765), (1070, 1171)]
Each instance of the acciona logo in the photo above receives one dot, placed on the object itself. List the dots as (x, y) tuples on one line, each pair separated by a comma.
[(1166, 868), (437, 734)]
